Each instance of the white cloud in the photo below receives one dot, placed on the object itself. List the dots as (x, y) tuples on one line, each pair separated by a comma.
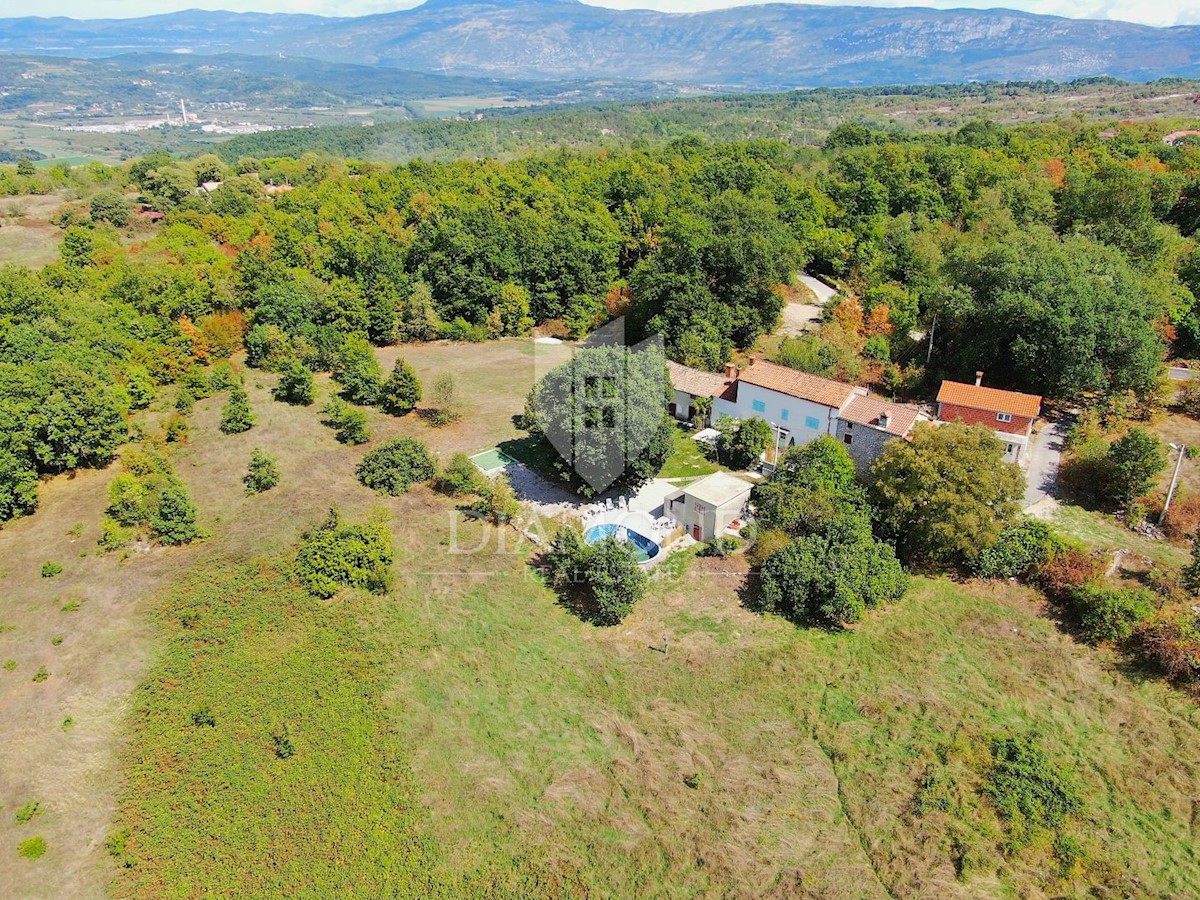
[(1148, 12)]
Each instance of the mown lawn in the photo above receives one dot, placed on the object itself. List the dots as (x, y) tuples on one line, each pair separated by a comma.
[(688, 459)]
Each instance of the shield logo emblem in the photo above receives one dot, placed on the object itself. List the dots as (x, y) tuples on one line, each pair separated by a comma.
[(601, 409)]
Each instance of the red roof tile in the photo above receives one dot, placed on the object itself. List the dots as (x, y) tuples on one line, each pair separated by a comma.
[(867, 410), (990, 399), (695, 382), (794, 383)]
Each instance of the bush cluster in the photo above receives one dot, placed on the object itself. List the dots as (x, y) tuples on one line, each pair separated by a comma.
[(148, 495), (460, 477), (1028, 789), (337, 556), (237, 417), (1020, 551), (348, 423), (602, 581), (263, 472), (394, 467)]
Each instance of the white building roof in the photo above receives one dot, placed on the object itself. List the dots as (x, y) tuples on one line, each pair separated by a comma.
[(718, 489)]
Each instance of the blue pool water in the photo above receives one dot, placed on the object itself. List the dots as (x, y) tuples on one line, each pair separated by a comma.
[(643, 548)]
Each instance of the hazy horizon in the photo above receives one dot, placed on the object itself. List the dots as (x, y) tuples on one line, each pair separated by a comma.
[(1159, 13)]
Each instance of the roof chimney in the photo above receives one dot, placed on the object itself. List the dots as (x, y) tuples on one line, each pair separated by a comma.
[(730, 372), (883, 420), (753, 359), (978, 379)]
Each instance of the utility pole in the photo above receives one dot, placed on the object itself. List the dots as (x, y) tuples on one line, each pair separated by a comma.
[(932, 331), (1174, 481)]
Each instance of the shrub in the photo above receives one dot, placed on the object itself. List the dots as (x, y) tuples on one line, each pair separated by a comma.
[(185, 401), (395, 466), (236, 417), (1111, 614), (295, 384), (349, 424), (263, 474), (460, 477), (175, 431), (110, 206), (117, 845), (173, 519), (50, 569), (40, 675), (1027, 789), (1188, 399), (1171, 638), (1183, 518), (1136, 460), (222, 377), (446, 407), (402, 390), (720, 547), (833, 577), (114, 535), (27, 811), (1021, 550), (1190, 576), (358, 372), (1083, 475), (616, 580), (284, 748), (126, 499), (1066, 571), (32, 848), (497, 502), (765, 543), (195, 381), (336, 556), (203, 718)]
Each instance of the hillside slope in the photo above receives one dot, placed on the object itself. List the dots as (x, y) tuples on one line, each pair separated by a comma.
[(774, 45)]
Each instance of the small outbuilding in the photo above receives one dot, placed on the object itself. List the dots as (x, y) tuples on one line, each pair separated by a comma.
[(705, 508)]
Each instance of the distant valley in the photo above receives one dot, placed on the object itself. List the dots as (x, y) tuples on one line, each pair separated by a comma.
[(759, 47)]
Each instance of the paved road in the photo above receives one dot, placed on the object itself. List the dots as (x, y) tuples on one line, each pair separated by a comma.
[(823, 291), (1044, 454)]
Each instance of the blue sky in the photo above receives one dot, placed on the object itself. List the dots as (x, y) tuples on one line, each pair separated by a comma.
[(1151, 12)]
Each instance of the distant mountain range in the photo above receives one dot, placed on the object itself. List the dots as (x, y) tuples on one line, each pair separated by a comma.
[(759, 47)]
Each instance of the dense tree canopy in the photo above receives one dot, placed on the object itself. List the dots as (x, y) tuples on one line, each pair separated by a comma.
[(1055, 260), (945, 496)]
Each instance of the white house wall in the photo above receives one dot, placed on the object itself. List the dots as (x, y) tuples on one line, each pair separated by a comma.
[(804, 419)]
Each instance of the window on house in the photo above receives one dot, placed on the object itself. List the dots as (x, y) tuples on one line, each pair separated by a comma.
[(848, 438), (759, 406), (1010, 448), (1004, 417), (784, 415), (810, 422)]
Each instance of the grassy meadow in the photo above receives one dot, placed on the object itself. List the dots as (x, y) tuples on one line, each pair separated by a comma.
[(466, 735)]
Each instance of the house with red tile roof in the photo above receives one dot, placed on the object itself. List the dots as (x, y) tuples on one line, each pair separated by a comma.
[(1009, 414), (799, 406)]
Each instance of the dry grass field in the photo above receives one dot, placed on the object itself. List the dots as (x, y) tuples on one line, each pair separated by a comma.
[(467, 734)]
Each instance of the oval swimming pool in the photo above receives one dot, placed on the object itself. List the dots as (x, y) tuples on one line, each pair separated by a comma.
[(644, 548)]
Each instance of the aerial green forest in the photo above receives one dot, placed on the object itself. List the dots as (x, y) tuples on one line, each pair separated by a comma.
[(255, 402), (1059, 262)]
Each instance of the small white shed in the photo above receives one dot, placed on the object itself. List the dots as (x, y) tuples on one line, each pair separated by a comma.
[(705, 508)]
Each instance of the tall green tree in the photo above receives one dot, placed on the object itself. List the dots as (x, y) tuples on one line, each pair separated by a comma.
[(945, 495), (402, 390)]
